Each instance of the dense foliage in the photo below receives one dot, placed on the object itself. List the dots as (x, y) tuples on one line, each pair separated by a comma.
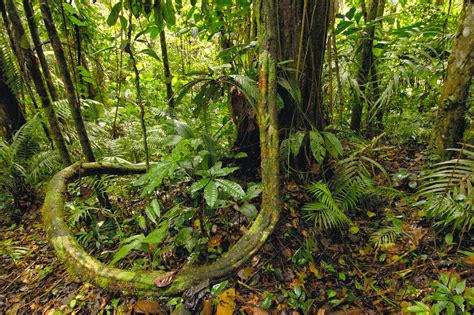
[(375, 127)]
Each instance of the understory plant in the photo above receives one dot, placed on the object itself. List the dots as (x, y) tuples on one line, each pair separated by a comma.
[(450, 296), (447, 191)]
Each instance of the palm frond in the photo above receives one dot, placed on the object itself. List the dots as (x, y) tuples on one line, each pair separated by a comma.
[(324, 217), (447, 191), (324, 211)]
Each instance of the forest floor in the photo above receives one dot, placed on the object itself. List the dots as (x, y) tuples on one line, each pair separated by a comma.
[(336, 274)]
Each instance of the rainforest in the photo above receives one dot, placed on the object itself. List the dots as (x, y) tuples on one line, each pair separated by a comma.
[(236, 157)]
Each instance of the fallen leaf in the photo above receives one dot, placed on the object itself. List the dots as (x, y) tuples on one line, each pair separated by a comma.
[(245, 273), (147, 307), (253, 310), (206, 307), (287, 252), (214, 242), (226, 303), (164, 279)]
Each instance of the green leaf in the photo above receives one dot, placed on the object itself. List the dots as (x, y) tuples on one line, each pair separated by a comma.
[(211, 193), (460, 286), (169, 13), (219, 287), (333, 145), (155, 206), (459, 301), (318, 150), (150, 52), (136, 244), (450, 308), (183, 129), (448, 238), (248, 210), (419, 308), (157, 236), (150, 215), (69, 8), (200, 184), (230, 187), (76, 21), (296, 142), (114, 13), (141, 222)]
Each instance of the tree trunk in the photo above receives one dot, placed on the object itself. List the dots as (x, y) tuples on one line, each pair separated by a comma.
[(73, 99), (453, 103), (12, 116), (67, 79), (303, 27), (26, 56), (366, 60), (29, 12), (166, 67), (128, 49)]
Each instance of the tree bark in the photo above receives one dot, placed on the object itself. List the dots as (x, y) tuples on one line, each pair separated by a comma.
[(303, 28), (67, 79), (166, 68), (26, 56), (29, 12), (73, 99), (366, 60), (453, 103), (128, 49)]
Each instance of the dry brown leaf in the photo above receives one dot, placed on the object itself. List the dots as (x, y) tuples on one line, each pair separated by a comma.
[(226, 303), (206, 307), (147, 307), (164, 279), (214, 242)]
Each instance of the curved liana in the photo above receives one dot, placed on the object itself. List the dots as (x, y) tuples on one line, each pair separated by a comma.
[(174, 282), (91, 270)]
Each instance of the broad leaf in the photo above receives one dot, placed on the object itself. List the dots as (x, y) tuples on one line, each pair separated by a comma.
[(231, 188), (211, 194), (113, 16), (333, 145), (318, 150), (157, 236)]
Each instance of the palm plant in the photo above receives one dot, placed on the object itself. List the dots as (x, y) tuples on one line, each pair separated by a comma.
[(447, 191)]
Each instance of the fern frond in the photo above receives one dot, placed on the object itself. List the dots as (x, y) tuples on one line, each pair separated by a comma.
[(324, 217)]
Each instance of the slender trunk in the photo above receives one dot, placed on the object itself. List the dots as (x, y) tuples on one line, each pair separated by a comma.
[(128, 49), (26, 56), (23, 70), (67, 79), (453, 103), (29, 12), (73, 99), (365, 66), (267, 114), (166, 67), (375, 124)]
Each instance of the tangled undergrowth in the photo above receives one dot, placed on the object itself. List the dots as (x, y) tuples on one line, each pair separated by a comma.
[(381, 264)]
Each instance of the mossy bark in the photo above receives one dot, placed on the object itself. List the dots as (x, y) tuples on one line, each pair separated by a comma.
[(453, 104)]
